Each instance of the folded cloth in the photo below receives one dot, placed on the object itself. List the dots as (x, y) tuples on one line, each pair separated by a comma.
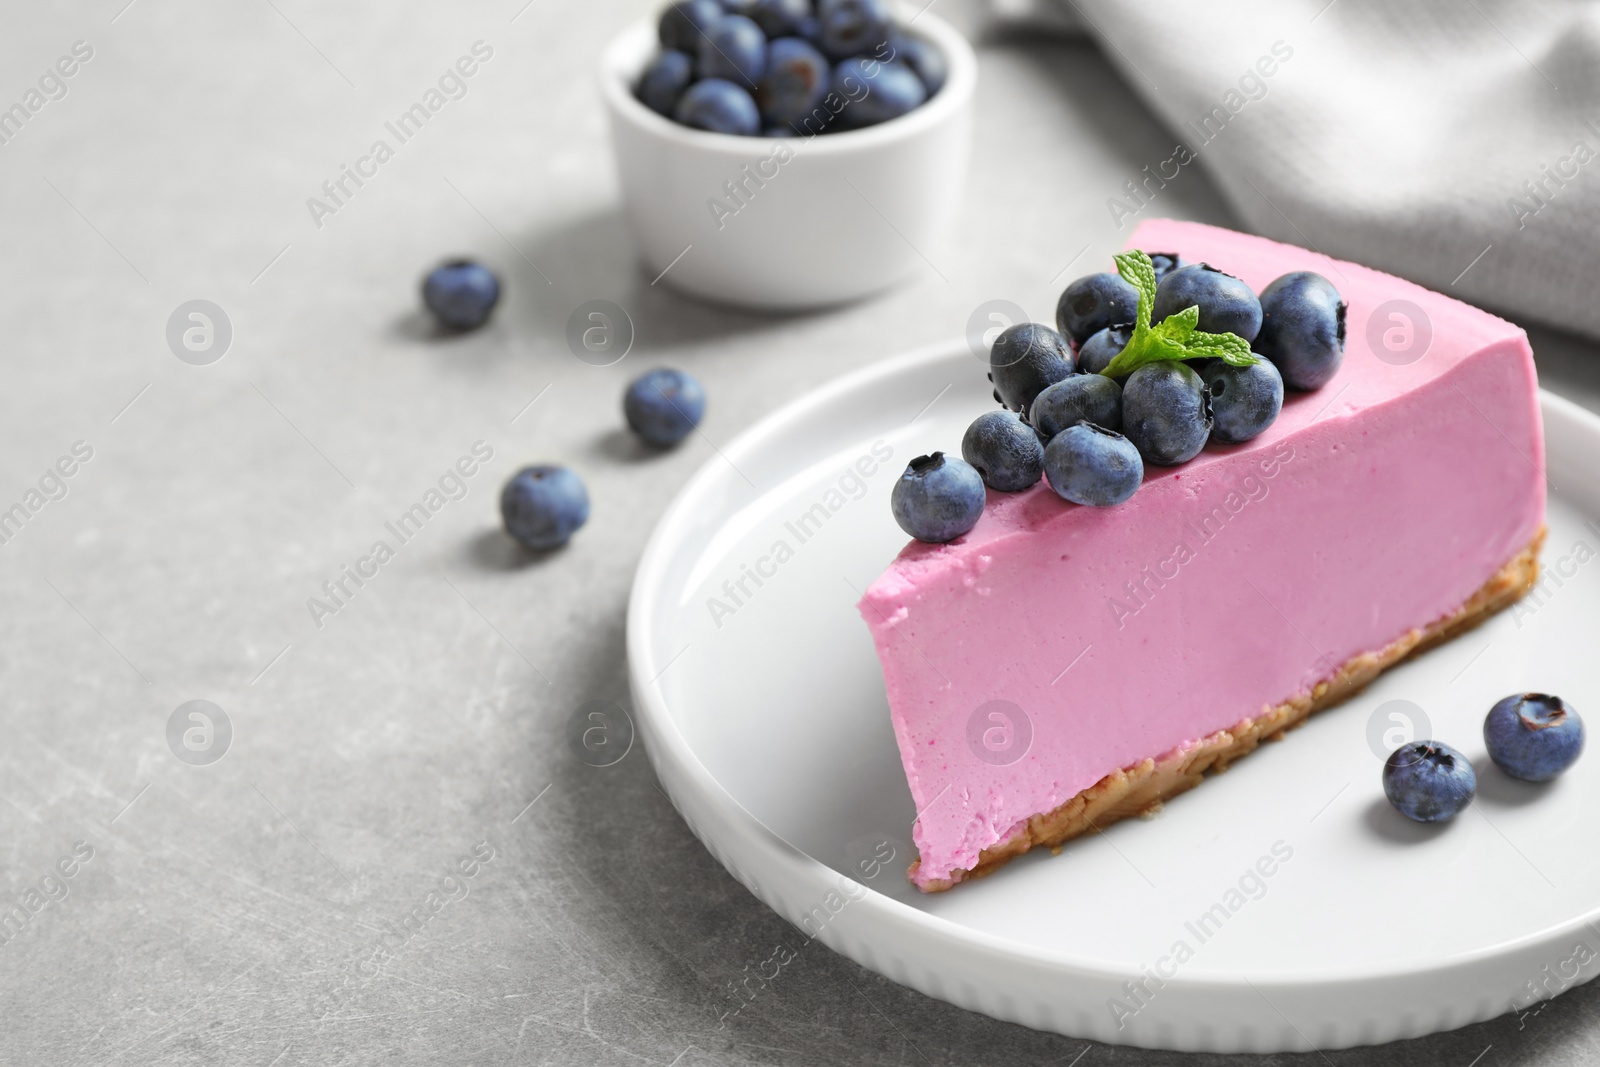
[(1453, 142)]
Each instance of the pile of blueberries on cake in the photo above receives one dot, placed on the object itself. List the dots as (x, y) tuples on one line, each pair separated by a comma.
[(787, 68), (1087, 414)]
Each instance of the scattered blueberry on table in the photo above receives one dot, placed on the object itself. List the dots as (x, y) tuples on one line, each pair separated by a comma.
[(1302, 329), (543, 505), (1088, 464), (461, 294), (779, 60), (1428, 781), (1004, 450), (938, 498), (1533, 736), (663, 406)]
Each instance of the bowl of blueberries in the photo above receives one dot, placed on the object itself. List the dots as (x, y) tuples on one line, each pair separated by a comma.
[(789, 154)]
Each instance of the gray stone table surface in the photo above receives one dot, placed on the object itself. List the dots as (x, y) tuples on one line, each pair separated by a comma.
[(408, 757)]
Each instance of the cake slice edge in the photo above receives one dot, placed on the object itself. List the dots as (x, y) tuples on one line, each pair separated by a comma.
[(1142, 787)]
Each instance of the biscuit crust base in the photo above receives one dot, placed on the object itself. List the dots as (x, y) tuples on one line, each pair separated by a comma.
[(1141, 788)]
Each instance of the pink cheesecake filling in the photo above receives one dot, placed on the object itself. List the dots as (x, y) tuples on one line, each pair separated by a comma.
[(1372, 507)]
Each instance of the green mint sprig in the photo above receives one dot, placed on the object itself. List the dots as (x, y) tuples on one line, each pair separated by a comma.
[(1174, 337)]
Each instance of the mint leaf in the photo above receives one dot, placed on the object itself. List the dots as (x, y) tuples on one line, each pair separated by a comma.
[(1138, 271), (1177, 337), (1228, 347), (1180, 327)]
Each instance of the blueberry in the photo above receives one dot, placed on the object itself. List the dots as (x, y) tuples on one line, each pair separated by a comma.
[(924, 59), (542, 506), (891, 91), (937, 499), (795, 82), (780, 18), (461, 294), (735, 50), (664, 80), (1094, 302), (1227, 304), (1004, 450), (719, 106), (663, 406), (1244, 400), (684, 24), (1428, 781), (1103, 346), (1165, 263), (747, 8), (1533, 736), (1089, 464), (850, 27), (1024, 360), (1166, 412), (1302, 329), (1080, 398)]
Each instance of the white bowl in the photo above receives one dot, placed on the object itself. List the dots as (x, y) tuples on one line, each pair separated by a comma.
[(823, 220)]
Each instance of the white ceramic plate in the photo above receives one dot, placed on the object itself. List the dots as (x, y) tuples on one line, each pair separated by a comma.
[(766, 721)]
